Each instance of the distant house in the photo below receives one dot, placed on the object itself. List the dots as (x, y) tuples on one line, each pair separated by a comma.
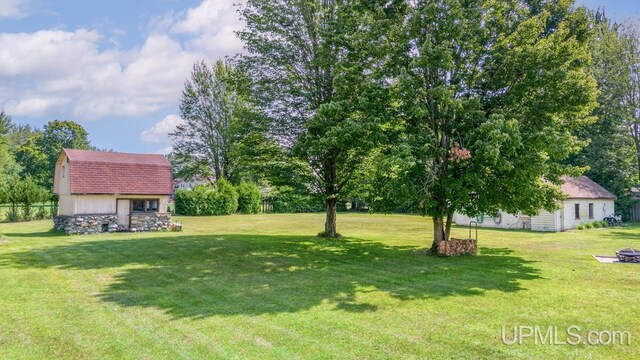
[(189, 184), (586, 202), (109, 191)]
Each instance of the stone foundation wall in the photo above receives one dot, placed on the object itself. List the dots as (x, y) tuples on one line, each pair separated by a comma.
[(457, 247), (150, 222), (86, 224)]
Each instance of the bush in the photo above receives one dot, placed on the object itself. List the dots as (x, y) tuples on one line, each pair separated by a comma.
[(286, 200), (588, 226), (580, 227), (228, 198), (205, 200), (249, 198)]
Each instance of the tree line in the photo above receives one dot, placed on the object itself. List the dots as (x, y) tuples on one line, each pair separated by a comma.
[(434, 107), (27, 159)]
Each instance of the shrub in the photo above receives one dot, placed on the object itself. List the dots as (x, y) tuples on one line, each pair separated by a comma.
[(286, 200), (205, 200), (588, 226), (248, 198), (228, 198), (580, 227)]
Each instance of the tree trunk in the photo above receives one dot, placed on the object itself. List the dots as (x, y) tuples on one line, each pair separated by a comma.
[(441, 230), (438, 232), (330, 223)]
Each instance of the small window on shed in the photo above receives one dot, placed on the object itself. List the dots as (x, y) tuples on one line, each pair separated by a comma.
[(152, 205), (137, 205), (63, 171), (577, 211), (591, 211)]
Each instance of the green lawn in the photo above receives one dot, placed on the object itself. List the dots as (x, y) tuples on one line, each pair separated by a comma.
[(263, 286)]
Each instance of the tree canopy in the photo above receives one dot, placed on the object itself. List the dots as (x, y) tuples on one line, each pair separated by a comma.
[(488, 96)]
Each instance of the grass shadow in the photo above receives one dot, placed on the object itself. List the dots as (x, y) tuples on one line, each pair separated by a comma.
[(200, 276)]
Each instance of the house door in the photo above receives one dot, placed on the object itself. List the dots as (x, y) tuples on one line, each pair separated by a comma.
[(123, 212)]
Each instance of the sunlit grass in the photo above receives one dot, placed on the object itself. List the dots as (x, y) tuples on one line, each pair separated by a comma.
[(263, 286)]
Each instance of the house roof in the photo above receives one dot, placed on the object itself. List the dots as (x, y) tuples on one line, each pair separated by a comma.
[(582, 187), (98, 172)]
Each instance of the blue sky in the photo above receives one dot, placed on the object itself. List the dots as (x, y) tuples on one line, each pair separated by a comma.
[(117, 67)]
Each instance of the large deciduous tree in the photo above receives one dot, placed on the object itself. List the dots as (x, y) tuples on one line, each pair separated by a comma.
[(632, 98), (611, 153), (489, 95), (8, 166), (210, 106), (39, 153), (315, 63)]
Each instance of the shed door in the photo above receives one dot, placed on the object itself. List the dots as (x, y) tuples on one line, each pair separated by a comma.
[(123, 212)]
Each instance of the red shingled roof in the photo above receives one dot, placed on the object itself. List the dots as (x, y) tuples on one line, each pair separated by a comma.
[(97, 172), (582, 187)]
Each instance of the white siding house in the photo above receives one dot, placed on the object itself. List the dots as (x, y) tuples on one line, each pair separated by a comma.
[(585, 202)]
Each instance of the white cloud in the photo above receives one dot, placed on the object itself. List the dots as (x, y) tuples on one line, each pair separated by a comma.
[(159, 133), (13, 8), (36, 105), (80, 74), (212, 24)]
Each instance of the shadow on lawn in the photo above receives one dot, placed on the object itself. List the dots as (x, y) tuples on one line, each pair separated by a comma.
[(199, 276)]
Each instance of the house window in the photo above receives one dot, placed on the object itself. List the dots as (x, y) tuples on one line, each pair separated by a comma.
[(63, 171), (144, 205), (591, 211), (577, 211)]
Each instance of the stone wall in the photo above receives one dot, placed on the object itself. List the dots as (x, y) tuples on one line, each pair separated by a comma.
[(86, 224), (457, 247), (150, 221)]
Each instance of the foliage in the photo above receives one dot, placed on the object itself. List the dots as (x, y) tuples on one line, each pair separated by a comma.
[(228, 197), (632, 95), (488, 96), (311, 62), (24, 192), (249, 198), (38, 154), (289, 200), (610, 158), (212, 105), (205, 200), (8, 166)]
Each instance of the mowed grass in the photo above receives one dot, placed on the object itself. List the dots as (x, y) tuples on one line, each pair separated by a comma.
[(264, 286)]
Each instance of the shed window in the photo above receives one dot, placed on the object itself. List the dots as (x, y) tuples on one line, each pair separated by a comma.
[(63, 171), (137, 205), (591, 211), (144, 205), (577, 211), (152, 205)]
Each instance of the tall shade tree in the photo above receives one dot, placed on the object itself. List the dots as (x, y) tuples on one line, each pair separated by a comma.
[(204, 144), (489, 95), (38, 155), (632, 98), (8, 166), (611, 153), (314, 65)]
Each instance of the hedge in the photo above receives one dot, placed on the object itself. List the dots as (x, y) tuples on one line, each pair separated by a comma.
[(205, 200), (222, 199), (288, 201), (249, 198)]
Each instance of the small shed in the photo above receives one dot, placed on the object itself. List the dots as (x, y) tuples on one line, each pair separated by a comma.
[(586, 201), (109, 191)]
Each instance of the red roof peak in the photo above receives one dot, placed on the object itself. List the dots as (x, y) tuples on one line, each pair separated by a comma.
[(101, 172)]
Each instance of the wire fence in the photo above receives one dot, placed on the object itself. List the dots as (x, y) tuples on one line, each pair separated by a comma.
[(19, 212)]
